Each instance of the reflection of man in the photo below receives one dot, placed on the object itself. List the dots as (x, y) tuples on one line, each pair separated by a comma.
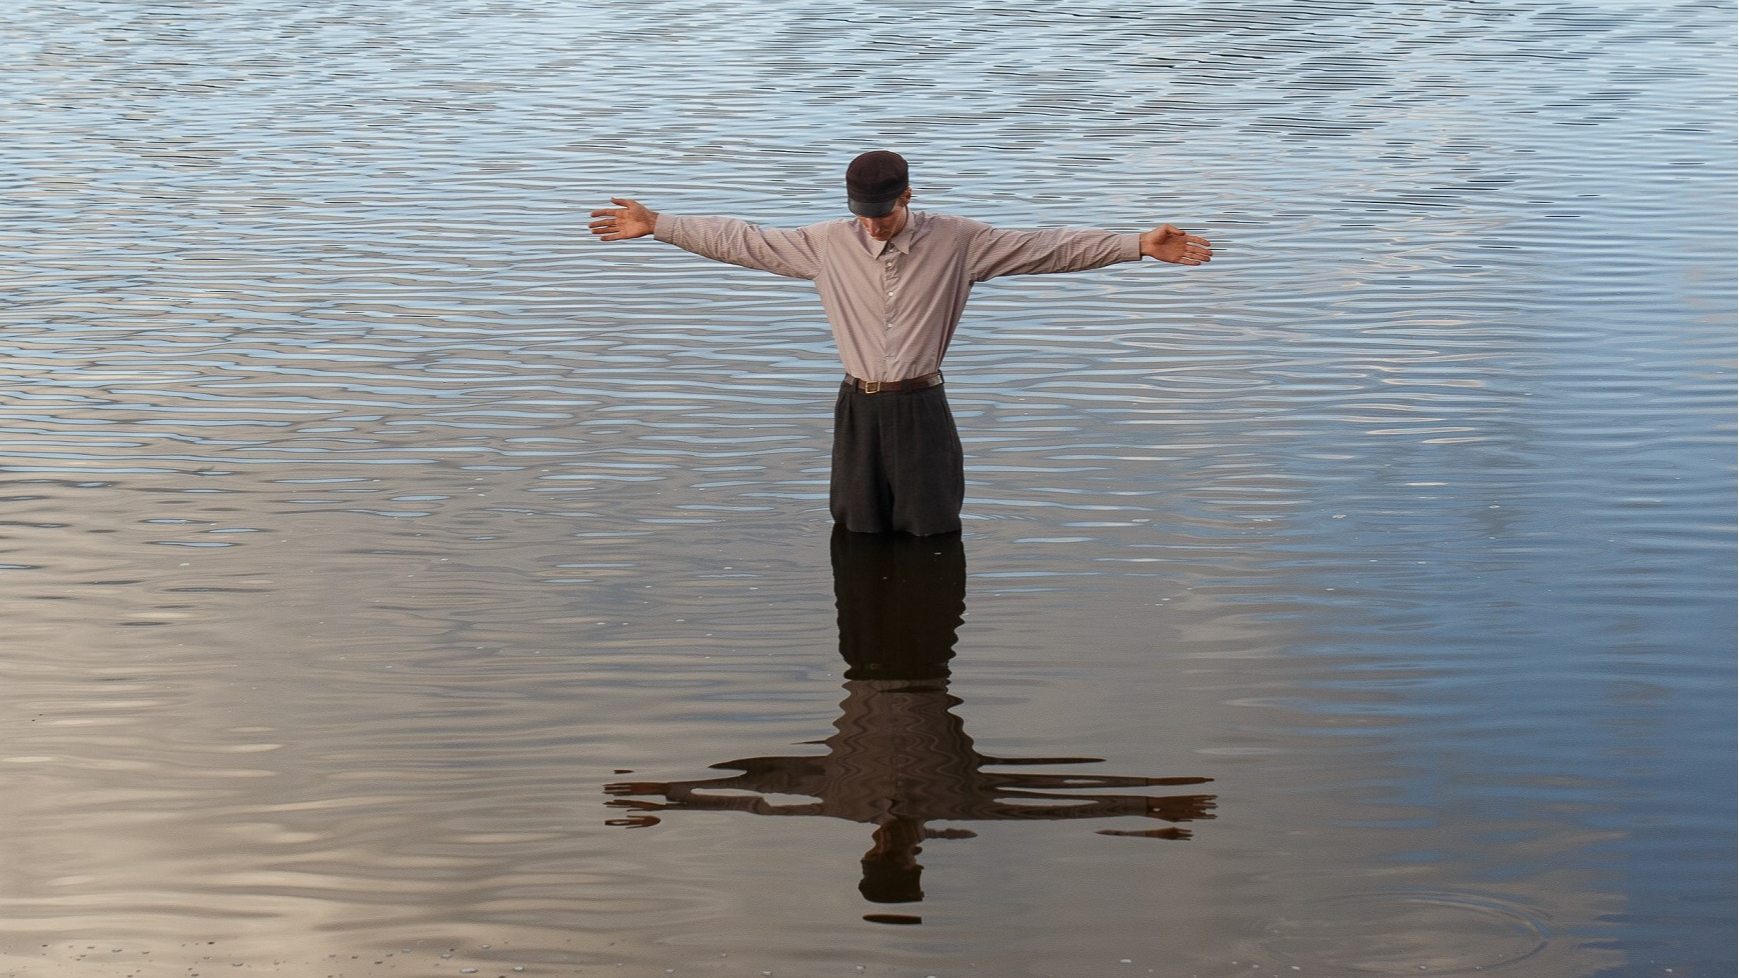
[(899, 757), (894, 284)]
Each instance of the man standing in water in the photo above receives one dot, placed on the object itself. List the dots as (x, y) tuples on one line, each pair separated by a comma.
[(894, 282)]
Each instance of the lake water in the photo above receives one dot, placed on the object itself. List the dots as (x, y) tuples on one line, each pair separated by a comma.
[(398, 581)]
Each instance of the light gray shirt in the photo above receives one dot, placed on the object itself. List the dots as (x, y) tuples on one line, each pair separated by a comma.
[(894, 305)]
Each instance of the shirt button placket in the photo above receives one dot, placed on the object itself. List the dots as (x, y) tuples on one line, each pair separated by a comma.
[(891, 279)]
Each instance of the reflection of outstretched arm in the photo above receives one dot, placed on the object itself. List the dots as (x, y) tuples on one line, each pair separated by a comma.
[(1043, 781), (763, 775), (1017, 761), (1172, 832), (760, 776), (683, 797), (1170, 808), (683, 793)]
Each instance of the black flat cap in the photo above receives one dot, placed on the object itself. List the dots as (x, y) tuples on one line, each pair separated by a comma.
[(874, 182)]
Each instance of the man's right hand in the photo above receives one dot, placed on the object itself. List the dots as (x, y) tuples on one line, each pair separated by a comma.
[(628, 219)]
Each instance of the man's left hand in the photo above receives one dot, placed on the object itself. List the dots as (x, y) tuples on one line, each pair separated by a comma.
[(1167, 243)]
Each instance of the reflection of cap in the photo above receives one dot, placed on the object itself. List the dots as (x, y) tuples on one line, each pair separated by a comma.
[(874, 182), (885, 881)]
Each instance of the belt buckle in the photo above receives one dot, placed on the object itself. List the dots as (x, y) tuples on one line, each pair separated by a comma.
[(871, 386)]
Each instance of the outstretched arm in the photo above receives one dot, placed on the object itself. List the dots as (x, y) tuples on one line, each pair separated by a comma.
[(790, 253), (998, 252), (628, 219), (1167, 243)]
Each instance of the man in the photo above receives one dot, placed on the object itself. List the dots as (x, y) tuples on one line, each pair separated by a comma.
[(894, 283)]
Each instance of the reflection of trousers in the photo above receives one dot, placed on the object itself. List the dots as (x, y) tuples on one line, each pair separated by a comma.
[(897, 462)]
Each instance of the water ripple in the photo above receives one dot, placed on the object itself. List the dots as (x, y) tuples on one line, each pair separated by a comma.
[(362, 515)]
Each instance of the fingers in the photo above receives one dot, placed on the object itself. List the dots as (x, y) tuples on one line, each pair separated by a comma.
[(1196, 250), (1170, 243), (634, 788), (607, 222), (605, 226), (626, 220)]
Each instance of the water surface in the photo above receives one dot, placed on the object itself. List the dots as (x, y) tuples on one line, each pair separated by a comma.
[(387, 567)]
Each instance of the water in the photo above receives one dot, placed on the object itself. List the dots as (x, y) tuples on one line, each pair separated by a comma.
[(382, 556)]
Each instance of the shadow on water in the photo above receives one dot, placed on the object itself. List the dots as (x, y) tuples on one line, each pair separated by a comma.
[(900, 758)]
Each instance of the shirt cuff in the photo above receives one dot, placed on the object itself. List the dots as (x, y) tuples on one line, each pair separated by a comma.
[(1131, 244)]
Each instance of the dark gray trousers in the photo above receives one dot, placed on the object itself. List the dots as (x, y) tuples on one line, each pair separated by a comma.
[(897, 462)]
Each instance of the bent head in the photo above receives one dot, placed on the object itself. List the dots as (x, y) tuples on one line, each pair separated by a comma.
[(886, 226), (877, 191)]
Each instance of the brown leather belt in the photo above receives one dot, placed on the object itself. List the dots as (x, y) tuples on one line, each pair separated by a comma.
[(894, 386)]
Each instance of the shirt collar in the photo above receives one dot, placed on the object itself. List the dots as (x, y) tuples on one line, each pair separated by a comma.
[(902, 242)]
